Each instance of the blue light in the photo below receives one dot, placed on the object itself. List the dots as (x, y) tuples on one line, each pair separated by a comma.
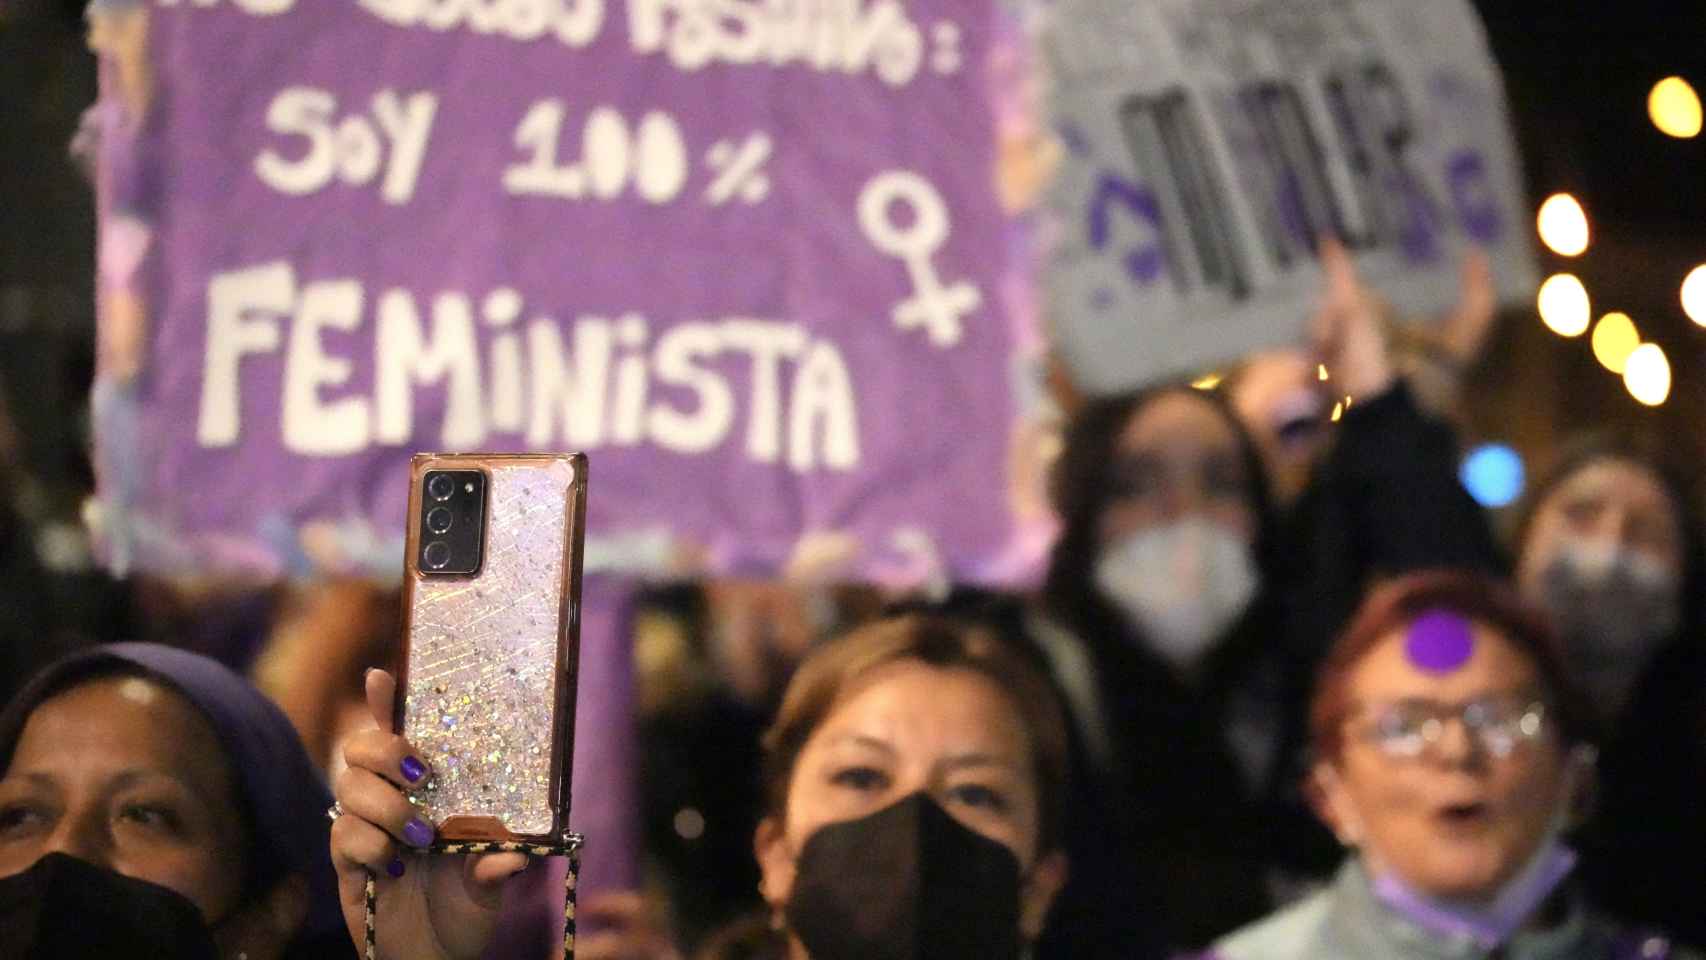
[(1493, 474)]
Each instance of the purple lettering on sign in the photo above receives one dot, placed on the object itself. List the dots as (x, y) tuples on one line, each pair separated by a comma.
[(1144, 264), (1473, 198), (1419, 233), (1293, 216)]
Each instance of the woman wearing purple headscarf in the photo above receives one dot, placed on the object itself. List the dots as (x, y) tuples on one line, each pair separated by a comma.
[(138, 762)]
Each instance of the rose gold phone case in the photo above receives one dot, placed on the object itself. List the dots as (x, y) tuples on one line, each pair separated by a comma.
[(489, 662)]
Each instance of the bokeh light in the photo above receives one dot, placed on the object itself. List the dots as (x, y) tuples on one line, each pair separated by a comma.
[(1694, 294), (1614, 339), (1674, 107), (1647, 374), (1563, 225), (1493, 474), (1206, 382), (1564, 305)]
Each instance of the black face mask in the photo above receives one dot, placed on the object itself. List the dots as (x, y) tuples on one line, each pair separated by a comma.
[(64, 907), (908, 882)]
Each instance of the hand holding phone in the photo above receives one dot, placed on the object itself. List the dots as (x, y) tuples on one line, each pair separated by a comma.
[(475, 740), (430, 908)]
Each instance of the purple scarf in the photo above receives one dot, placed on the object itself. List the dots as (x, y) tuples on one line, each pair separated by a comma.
[(284, 798), (1491, 925)]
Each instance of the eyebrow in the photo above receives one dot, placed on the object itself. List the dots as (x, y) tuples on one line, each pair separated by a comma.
[(862, 740), (962, 761), (958, 761), (123, 780)]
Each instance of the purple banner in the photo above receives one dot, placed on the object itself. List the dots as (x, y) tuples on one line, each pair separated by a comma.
[(751, 257)]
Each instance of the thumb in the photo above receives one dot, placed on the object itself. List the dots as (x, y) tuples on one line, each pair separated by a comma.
[(381, 697), (484, 875)]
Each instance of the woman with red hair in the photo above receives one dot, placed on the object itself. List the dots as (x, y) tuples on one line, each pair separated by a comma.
[(1451, 756)]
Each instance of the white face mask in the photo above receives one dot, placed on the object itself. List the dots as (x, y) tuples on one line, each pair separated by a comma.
[(1181, 584)]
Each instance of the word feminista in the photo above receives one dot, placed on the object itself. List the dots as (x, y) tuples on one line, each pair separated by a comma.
[(616, 386)]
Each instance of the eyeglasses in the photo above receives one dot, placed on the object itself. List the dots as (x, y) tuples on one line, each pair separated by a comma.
[(1407, 729)]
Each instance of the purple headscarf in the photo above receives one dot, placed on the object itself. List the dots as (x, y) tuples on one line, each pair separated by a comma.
[(283, 796)]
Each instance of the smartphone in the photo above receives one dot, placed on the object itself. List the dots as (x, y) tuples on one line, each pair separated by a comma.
[(491, 634)]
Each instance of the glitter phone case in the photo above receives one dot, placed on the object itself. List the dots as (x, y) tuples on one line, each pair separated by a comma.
[(489, 662)]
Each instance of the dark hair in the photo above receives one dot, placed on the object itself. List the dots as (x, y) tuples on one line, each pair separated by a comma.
[(1080, 489), (825, 676), (1389, 607)]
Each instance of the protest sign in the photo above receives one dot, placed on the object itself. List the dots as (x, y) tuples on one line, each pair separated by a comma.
[(750, 256), (1210, 144)]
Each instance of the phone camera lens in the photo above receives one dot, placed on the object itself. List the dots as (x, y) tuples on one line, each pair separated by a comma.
[(439, 519), (436, 555), (441, 487)]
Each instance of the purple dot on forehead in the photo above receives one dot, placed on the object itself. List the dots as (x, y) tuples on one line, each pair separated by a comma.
[(1439, 641)]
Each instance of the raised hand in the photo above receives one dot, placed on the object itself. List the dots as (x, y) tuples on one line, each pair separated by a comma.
[(1347, 330), (428, 906)]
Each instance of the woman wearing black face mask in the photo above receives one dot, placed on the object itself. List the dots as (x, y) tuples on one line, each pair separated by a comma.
[(915, 782), (154, 800), (1610, 544)]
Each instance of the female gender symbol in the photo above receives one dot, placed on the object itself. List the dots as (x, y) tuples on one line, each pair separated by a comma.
[(933, 306)]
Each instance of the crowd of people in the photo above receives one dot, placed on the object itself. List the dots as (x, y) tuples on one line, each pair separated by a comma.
[(1282, 693)]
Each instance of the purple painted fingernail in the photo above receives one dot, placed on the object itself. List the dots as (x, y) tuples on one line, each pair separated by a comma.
[(418, 832), (413, 769), (395, 867)]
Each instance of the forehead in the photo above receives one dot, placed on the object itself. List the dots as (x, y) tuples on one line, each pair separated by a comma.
[(122, 722), (1387, 673), (1175, 420), (1617, 482), (913, 706)]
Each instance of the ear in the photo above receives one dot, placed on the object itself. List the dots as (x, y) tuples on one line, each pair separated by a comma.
[(265, 927), (1333, 804), (775, 862), (1047, 876)]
